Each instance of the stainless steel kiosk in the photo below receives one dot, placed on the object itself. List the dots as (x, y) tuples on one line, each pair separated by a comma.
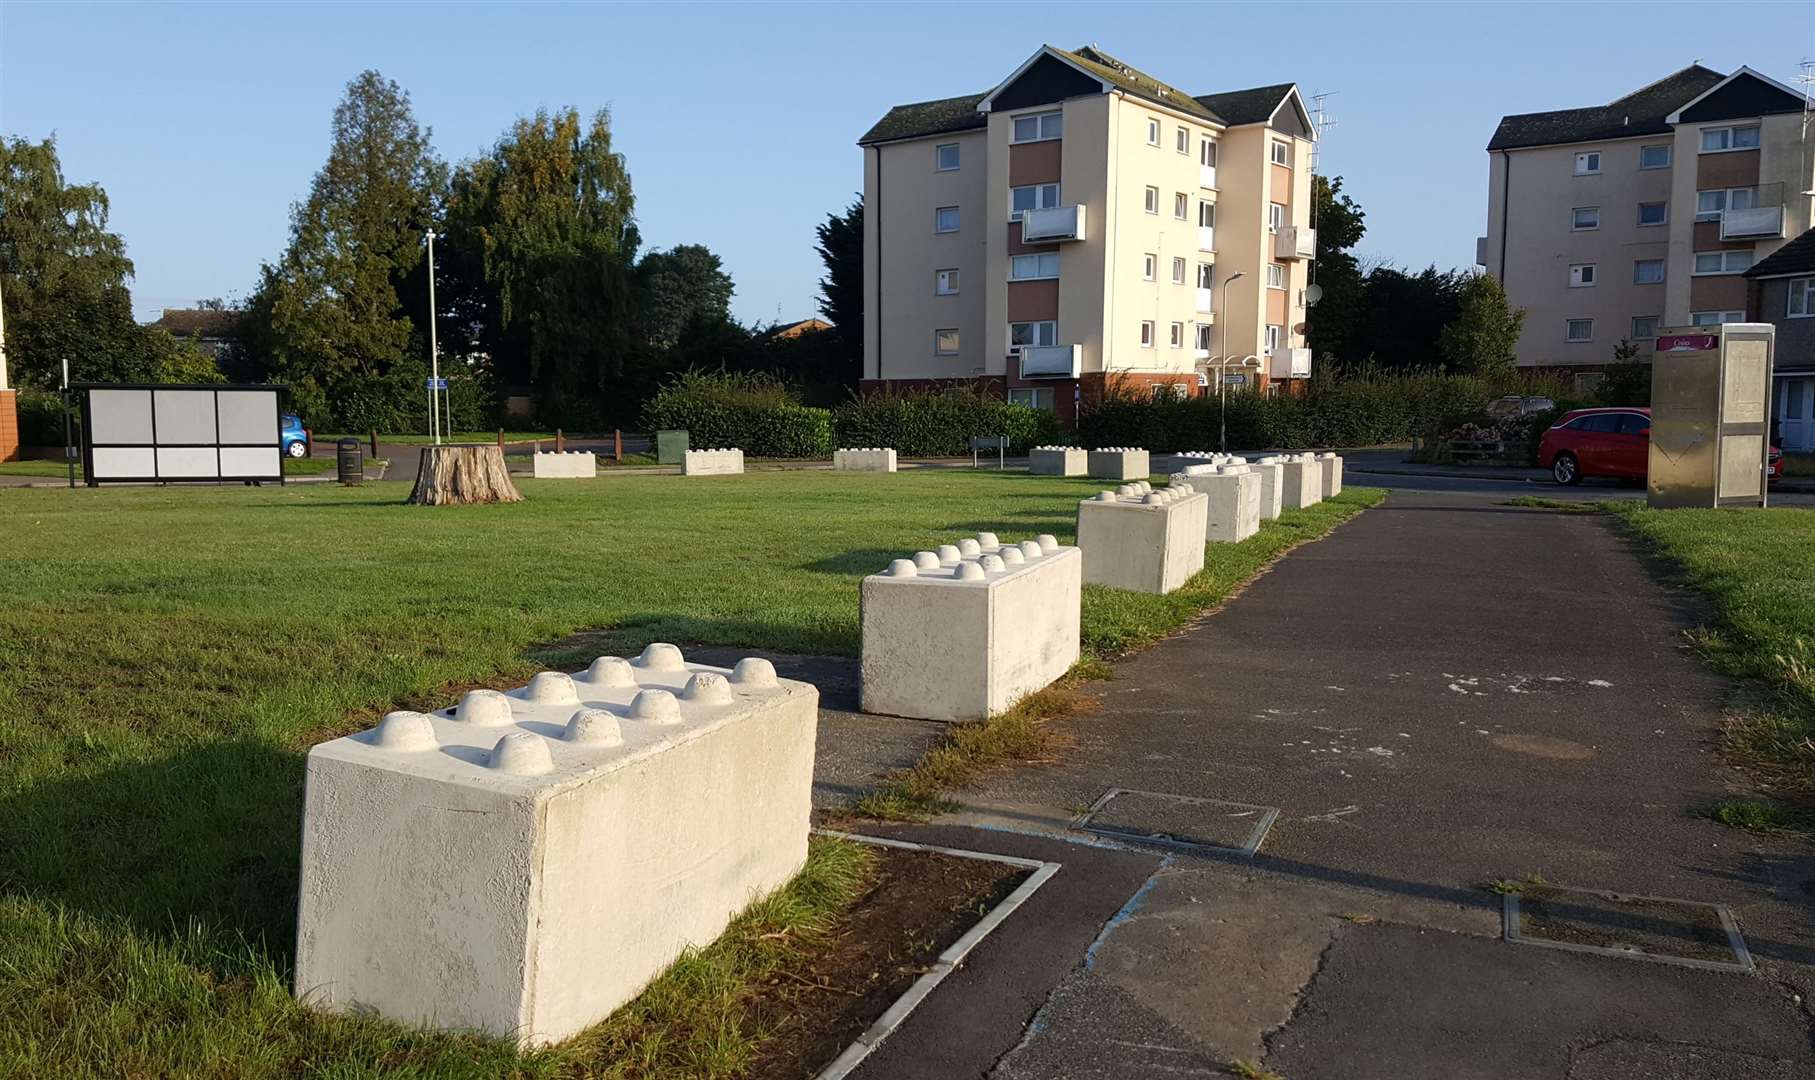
[(1710, 415)]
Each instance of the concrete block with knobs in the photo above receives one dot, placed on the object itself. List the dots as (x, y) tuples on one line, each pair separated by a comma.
[(871, 459), (1186, 460), (1271, 474), (968, 630), (570, 465), (1332, 475), (1057, 461), (525, 862), (1118, 463), (1301, 481), (1144, 540), (1234, 494), (712, 462)]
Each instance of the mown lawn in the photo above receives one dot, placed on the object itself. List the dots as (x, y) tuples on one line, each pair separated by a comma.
[(167, 656)]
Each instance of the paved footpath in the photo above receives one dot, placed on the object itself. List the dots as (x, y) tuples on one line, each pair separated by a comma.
[(1444, 692)]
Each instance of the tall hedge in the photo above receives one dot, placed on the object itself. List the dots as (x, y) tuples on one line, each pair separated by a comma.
[(940, 423), (752, 412)]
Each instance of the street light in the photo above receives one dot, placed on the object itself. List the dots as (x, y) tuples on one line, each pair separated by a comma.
[(1221, 383)]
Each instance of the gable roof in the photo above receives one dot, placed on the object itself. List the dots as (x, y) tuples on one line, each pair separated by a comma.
[(1795, 257), (1094, 61), (928, 118), (1252, 106), (1645, 111), (1757, 95)]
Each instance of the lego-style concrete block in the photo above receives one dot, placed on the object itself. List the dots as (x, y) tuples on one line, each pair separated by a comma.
[(712, 462), (1149, 541), (1234, 492), (1301, 481), (572, 465), (1057, 461), (1271, 474), (522, 864), (962, 632), (1332, 475), (1191, 459), (866, 460), (1118, 463)]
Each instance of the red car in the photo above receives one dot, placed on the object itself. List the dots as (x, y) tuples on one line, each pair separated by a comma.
[(1612, 442)]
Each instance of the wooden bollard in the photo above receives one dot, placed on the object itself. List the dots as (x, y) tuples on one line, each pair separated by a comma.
[(500, 438), (374, 437), (560, 442), (617, 445)]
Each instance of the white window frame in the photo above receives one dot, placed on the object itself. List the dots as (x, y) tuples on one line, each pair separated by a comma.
[(1150, 266), (1276, 216), (1669, 154), (1662, 270), (1178, 269), (1569, 335), (939, 219), (1206, 275), (1040, 192), (1153, 132), (1715, 318), (1271, 339), (1036, 330), (1047, 126), (1045, 266), (939, 164), (1582, 275), (1146, 333), (1727, 201), (1181, 206), (1726, 133), (945, 282), (1175, 337), (1726, 257), (939, 348), (1575, 213), (1588, 163), (1805, 289), (1151, 199), (1280, 153), (1652, 319), (1203, 333), (1034, 397), (1665, 220), (1206, 152), (1276, 275), (1182, 141)]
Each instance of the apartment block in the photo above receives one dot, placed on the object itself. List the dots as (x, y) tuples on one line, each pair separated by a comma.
[(1083, 225), (1608, 222), (1783, 293)]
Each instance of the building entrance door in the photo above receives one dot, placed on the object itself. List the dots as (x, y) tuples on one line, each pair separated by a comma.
[(1796, 413)]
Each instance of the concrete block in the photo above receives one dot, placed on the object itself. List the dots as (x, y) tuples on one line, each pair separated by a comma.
[(1118, 463), (522, 864), (1143, 541), (963, 632), (1301, 481), (574, 464), (712, 462), (1057, 461), (1271, 474), (866, 460), (1234, 492), (1332, 475)]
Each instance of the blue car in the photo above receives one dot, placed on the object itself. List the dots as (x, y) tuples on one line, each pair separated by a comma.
[(295, 437)]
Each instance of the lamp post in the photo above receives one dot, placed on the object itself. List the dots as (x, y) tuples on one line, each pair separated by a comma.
[(434, 353), (1221, 384)]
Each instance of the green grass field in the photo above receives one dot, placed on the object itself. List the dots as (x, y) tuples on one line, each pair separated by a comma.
[(168, 655)]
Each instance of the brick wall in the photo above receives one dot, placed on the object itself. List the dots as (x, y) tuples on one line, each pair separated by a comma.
[(9, 425)]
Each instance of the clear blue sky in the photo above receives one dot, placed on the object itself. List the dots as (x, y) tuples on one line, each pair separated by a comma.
[(204, 122)]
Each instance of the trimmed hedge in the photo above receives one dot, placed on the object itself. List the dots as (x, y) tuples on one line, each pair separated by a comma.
[(751, 412), (940, 423)]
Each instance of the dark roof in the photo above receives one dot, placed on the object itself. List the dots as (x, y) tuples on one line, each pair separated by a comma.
[(1641, 112), (1795, 257), (1252, 106), (928, 118), (1139, 83), (189, 322)]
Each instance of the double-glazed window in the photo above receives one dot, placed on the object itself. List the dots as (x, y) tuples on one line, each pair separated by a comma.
[(1153, 132), (1041, 333), (1588, 163), (1032, 197), (1177, 337), (1654, 213), (1203, 337), (1585, 217), (1581, 275), (945, 283), (1178, 271), (1206, 214), (1716, 140), (945, 219), (1802, 298), (1146, 333), (1038, 126), (1150, 267), (1273, 336), (1181, 206), (1644, 327), (1276, 276), (1034, 397), (946, 157), (1206, 152), (1182, 140), (1654, 157), (1206, 273), (945, 343), (1715, 318), (1152, 200), (1578, 330), (1033, 267), (1711, 203), (1276, 216), (1647, 271), (1282, 152), (1730, 261)]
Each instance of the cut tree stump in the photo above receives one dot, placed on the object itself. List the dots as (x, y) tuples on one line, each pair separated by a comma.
[(461, 475)]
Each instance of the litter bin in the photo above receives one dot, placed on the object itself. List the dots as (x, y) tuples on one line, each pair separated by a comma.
[(349, 456), (670, 447)]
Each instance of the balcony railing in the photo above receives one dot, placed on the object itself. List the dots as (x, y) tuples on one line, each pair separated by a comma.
[(1051, 361), (1206, 176), (1294, 242), (1745, 213), (1752, 223), (1290, 364), (1204, 301), (1206, 238), (1052, 223)]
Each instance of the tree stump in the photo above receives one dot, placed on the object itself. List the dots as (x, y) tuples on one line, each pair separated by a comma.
[(461, 475)]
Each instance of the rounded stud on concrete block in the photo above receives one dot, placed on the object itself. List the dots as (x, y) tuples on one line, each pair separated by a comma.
[(551, 688), (709, 687), (988, 540), (949, 555), (1127, 489), (1153, 499), (969, 548), (1031, 549), (993, 564), (1104, 496), (926, 560), (1012, 556), (1144, 486), (902, 568), (1048, 543), (521, 754), (594, 727), (485, 708), (655, 706), (611, 671), (754, 673), (661, 656), (404, 730), (970, 571)]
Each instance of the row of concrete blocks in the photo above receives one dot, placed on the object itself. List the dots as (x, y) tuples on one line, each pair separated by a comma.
[(1109, 463), (569, 465)]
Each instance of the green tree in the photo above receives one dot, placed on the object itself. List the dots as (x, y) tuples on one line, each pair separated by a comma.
[(684, 285), (841, 290), (1482, 337), (1625, 381), (1335, 322)]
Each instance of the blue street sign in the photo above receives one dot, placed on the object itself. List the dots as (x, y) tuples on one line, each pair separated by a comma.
[(436, 384)]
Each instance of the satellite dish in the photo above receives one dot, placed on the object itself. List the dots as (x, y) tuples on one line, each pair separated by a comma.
[(1313, 293), (1299, 329)]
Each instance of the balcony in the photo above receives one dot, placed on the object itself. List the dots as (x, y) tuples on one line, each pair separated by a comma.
[(1480, 251), (1206, 238), (1752, 223), (1289, 364), (1204, 302), (1206, 176), (1294, 242), (1051, 361), (1052, 223)]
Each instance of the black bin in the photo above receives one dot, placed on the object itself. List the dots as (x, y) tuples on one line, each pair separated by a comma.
[(349, 458)]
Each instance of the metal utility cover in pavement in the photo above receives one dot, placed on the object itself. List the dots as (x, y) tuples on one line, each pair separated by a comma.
[(1688, 933), (1156, 817)]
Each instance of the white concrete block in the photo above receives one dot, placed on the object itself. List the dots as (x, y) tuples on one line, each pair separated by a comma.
[(1301, 481), (573, 464), (712, 462), (865, 460), (1272, 482), (1057, 461), (1234, 492), (1147, 542), (1332, 475), (961, 633), (1118, 463), (524, 863)]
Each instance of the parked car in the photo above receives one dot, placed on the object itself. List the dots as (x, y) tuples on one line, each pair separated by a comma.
[(1612, 442), (295, 437)]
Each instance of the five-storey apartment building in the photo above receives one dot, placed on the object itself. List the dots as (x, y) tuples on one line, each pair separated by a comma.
[(1083, 224), (1608, 222)]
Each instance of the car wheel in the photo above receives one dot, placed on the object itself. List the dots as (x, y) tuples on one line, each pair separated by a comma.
[(1564, 470), (297, 450)]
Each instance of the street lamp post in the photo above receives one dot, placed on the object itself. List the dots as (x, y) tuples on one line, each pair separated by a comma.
[(1222, 391), (434, 352)]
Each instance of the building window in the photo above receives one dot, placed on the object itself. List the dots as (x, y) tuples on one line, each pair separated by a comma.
[(1042, 334), (1272, 339), (1181, 206), (945, 219), (1802, 298), (1146, 333), (1206, 214), (1039, 126), (1282, 153), (1182, 139), (1731, 261), (1579, 330), (1206, 272), (1206, 152), (1654, 157), (1716, 140), (945, 283), (1034, 397), (1276, 216), (1150, 267), (1153, 132), (1647, 271), (1178, 271), (1177, 337), (1276, 276), (1588, 163), (947, 156), (1711, 203), (1654, 213), (1644, 327), (1203, 337), (1581, 275), (1033, 267), (1031, 197), (1715, 318), (1152, 203), (1583, 218), (945, 343)]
